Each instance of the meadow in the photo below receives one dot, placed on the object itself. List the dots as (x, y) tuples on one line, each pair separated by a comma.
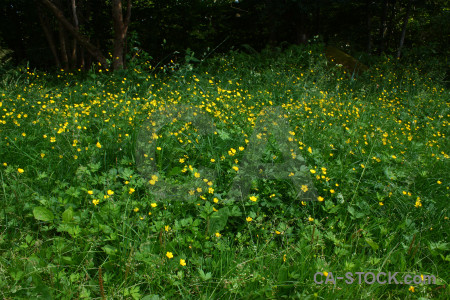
[(165, 181)]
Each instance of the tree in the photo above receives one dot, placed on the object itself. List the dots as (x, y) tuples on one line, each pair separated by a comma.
[(120, 26)]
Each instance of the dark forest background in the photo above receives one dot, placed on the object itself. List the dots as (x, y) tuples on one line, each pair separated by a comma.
[(72, 34)]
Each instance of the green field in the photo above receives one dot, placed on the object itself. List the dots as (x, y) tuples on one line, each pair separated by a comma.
[(164, 182)]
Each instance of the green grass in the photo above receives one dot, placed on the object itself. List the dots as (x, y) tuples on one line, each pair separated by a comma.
[(91, 216)]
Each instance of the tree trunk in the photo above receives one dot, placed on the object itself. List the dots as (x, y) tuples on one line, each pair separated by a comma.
[(383, 29), (120, 32), (405, 24), (77, 28), (63, 48), (94, 51), (48, 35), (369, 25)]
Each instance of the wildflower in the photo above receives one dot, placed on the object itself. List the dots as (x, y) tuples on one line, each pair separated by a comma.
[(98, 145), (182, 262), (211, 190), (213, 160), (325, 273), (169, 255), (249, 219), (167, 228), (253, 198), (310, 219), (90, 192), (411, 289), (131, 191), (218, 234), (216, 200), (332, 191), (236, 168), (439, 182), (153, 205), (181, 160), (304, 188), (381, 203), (110, 193), (277, 232), (158, 148), (284, 257), (363, 166), (136, 209), (95, 202), (197, 175), (20, 170), (320, 198), (312, 171)]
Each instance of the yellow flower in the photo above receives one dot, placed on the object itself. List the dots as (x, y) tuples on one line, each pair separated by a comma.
[(277, 232), (110, 192), (52, 139), (182, 262), (304, 188), (249, 219), (20, 170), (320, 198), (90, 192), (411, 288), (310, 219), (211, 190), (216, 200), (181, 160), (363, 166), (218, 234), (236, 168), (253, 198), (197, 175), (439, 182), (213, 160), (131, 191), (153, 205), (158, 148), (169, 255), (332, 191), (136, 209), (167, 228), (98, 145), (325, 273), (381, 203), (312, 171), (284, 257), (95, 202)]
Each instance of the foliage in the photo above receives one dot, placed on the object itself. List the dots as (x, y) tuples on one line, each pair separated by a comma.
[(82, 217)]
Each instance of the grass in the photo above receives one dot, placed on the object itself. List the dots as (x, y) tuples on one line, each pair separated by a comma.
[(239, 178)]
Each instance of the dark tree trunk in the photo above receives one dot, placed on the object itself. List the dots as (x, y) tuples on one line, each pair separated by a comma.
[(383, 29), (48, 35), (369, 26), (77, 28), (94, 51), (120, 32), (405, 25), (62, 47)]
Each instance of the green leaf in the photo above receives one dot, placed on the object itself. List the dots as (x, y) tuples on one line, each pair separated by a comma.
[(67, 215), (218, 220), (43, 214), (110, 250), (372, 244)]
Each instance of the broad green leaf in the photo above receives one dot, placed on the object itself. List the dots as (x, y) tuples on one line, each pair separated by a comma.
[(43, 214)]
